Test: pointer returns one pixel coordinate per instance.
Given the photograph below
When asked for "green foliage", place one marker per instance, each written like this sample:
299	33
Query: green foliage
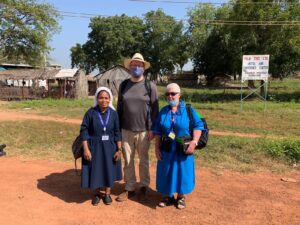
117	37
218	48
284	149
110	41
25	29
165	43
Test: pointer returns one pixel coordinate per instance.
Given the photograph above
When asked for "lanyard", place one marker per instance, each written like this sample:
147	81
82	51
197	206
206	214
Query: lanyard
173	119
106	121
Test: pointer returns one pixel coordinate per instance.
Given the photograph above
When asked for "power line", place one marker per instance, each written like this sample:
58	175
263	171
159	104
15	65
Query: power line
249	24
212	22
212	3
242	22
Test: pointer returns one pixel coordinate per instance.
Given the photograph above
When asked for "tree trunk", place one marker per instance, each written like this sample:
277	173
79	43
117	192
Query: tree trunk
234	76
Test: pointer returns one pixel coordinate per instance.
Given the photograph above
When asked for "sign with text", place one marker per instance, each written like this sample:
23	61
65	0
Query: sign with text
255	67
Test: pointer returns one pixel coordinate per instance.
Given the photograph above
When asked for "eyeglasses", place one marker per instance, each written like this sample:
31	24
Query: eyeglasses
171	93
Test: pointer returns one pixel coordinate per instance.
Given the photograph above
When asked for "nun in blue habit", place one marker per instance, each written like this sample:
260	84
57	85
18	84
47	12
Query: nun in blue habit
101	161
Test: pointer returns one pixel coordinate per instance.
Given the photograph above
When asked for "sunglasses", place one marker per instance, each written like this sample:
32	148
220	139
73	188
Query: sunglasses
171	93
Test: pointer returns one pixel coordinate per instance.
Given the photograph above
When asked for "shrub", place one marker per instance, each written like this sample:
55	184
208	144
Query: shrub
284	149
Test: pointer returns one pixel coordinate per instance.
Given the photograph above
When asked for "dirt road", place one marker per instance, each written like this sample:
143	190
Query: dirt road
44	192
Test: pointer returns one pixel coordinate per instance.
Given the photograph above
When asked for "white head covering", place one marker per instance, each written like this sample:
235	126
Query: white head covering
173	87
110	96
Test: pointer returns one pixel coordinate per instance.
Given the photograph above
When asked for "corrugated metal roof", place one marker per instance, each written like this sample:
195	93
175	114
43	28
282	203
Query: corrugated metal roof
66	73
28	74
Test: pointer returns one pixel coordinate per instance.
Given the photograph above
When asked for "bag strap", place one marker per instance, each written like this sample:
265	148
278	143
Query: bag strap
189	112
76	170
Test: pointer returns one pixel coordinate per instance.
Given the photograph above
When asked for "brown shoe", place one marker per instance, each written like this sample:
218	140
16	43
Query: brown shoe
143	195
125	196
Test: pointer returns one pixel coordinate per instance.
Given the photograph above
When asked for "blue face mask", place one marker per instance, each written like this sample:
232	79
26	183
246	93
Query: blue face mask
173	102
137	71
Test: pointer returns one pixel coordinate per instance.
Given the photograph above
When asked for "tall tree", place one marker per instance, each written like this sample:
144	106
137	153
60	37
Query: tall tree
219	44
25	30
211	54
164	38
281	42
110	41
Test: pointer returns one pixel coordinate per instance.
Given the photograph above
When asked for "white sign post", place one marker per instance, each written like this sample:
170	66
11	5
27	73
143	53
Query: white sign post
255	67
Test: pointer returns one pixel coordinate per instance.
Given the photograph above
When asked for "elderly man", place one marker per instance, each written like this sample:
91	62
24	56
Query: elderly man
137	108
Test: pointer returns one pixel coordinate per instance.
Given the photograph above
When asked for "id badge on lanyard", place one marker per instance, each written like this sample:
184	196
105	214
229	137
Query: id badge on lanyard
173	121
104	137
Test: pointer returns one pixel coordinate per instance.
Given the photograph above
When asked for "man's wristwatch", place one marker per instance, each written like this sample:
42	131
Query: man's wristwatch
195	142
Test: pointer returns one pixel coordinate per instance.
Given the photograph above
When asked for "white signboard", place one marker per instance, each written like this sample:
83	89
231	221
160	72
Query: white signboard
255	67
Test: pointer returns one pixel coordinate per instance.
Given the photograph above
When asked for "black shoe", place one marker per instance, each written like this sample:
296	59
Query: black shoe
107	199
143	194
124	196
96	200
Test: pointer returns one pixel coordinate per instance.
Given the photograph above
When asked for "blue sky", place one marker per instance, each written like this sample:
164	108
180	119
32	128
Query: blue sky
75	29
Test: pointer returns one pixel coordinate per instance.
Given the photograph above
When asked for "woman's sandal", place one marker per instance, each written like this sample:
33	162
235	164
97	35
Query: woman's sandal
181	203
167	201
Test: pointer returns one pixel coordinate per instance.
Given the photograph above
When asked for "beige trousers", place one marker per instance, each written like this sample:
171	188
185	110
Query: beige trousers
132	142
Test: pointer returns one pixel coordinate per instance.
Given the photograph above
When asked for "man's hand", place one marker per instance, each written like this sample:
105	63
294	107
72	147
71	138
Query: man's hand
150	135
158	153
117	155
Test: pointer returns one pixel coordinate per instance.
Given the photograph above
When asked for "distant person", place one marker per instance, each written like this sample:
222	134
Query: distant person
174	148
137	109
100	132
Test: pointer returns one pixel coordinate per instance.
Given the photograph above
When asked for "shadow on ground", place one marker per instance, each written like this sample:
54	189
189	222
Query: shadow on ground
66	186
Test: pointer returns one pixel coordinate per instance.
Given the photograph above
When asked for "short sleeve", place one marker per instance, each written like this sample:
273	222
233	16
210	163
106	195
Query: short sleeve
84	128
197	122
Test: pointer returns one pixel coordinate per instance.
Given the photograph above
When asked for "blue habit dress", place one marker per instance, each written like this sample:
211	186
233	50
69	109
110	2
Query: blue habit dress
102	170
175	172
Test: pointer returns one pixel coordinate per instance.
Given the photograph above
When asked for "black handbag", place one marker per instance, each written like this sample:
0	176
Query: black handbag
182	144
77	150
165	144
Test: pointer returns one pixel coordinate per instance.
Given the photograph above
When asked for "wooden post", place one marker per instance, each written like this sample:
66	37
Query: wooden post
23	88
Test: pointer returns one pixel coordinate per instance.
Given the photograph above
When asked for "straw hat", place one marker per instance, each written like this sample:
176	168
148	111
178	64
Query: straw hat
136	57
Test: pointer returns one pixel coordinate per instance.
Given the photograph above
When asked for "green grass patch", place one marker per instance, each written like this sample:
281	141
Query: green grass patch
285	149
39	140
241	154
72	108
52	140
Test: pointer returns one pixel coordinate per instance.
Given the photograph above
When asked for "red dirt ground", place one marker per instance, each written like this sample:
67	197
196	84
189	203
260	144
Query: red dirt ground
44	192
48	193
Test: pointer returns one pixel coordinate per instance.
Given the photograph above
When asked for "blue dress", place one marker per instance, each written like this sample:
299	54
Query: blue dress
175	172
102	170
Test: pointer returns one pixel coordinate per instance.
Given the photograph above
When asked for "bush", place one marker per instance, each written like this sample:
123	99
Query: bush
284	149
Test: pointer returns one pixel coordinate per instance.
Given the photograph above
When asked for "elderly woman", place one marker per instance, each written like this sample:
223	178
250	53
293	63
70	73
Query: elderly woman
174	148
101	164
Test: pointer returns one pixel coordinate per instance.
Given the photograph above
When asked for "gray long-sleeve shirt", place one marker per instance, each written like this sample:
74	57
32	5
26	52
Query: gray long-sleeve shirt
133	106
